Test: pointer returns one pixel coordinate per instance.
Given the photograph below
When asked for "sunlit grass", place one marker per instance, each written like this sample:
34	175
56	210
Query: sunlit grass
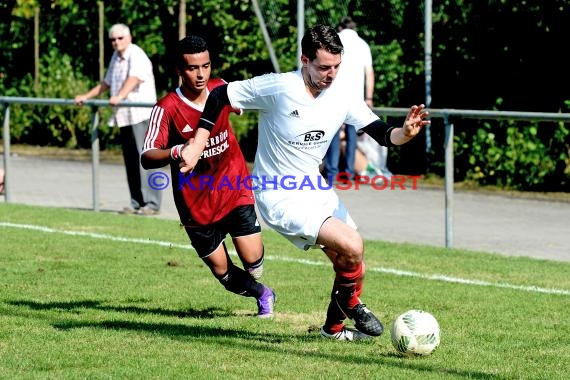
100	295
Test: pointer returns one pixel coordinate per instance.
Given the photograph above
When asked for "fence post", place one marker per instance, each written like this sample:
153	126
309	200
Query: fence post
448	182
95	157
6	138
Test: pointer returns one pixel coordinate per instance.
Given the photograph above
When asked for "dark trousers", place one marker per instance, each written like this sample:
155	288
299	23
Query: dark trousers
142	194
332	161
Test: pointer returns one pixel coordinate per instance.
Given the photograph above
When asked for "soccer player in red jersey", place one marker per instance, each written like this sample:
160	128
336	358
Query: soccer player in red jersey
215	199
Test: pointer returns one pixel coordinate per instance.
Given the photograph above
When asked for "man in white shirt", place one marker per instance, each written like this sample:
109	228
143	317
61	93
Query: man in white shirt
358	74
300	113
130	77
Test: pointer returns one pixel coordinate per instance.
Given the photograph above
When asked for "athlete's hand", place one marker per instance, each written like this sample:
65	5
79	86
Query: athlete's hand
415	120
189	156
193	149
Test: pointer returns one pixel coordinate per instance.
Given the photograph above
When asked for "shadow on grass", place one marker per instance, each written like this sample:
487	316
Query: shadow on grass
173	330
76	306
281	344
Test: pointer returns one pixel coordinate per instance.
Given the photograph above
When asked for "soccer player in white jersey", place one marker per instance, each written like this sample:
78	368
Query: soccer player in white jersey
300	112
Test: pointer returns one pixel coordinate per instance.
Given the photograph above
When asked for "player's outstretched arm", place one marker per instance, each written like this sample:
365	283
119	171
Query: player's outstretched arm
415	121
386	135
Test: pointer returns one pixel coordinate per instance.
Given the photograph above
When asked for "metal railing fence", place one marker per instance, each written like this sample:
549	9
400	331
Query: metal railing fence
445	114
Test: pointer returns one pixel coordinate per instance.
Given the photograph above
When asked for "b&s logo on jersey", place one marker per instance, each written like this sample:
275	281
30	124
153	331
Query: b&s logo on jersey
309	140
312	135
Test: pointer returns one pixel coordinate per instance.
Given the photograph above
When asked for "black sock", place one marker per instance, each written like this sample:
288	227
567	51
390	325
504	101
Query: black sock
238	281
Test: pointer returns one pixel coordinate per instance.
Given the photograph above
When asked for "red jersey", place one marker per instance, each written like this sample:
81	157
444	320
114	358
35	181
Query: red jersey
220	181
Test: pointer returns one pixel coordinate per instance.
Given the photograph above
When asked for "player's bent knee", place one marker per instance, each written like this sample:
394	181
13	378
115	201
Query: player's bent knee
355	249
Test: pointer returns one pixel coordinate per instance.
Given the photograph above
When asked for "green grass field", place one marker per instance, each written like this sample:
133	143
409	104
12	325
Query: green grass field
106	296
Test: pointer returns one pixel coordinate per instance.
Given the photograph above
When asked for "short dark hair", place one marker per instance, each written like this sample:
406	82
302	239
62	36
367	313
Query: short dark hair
346	23
189	45
320	37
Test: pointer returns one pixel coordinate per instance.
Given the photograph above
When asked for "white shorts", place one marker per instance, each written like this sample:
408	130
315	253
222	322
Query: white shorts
299	214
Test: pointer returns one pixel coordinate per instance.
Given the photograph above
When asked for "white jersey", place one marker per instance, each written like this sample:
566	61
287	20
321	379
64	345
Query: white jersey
295	129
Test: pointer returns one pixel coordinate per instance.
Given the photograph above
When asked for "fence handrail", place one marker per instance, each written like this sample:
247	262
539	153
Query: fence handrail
381	111
446	114
480	114
69	102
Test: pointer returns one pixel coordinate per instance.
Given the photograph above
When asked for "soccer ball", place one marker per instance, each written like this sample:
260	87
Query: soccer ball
415	332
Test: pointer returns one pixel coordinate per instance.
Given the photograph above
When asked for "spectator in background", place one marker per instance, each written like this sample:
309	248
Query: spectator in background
130	77
357	74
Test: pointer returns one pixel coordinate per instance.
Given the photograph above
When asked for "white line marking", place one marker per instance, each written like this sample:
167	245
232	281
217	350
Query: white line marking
397	272
95	235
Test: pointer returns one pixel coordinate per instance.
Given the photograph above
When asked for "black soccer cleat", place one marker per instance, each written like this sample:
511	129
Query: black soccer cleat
345	334
363	319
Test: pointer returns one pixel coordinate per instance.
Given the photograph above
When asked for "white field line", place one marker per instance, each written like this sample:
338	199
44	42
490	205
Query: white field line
397	272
